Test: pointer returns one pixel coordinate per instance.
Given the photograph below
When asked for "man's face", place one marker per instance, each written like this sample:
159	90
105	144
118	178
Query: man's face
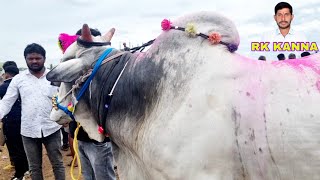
283	18
35	62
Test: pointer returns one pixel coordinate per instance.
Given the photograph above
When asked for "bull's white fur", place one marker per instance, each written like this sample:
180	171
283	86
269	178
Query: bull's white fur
230	118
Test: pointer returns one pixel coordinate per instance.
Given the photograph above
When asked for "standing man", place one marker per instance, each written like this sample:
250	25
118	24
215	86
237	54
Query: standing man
12	126
283	16
36	127
3	92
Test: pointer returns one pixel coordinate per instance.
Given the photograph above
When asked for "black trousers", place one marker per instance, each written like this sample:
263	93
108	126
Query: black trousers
16	150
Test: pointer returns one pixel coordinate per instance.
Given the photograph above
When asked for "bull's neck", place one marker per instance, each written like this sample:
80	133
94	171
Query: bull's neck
134	95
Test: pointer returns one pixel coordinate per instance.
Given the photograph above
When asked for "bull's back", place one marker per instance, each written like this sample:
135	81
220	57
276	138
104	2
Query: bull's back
278	123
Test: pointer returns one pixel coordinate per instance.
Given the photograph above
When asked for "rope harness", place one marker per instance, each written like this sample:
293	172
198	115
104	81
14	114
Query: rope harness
85	78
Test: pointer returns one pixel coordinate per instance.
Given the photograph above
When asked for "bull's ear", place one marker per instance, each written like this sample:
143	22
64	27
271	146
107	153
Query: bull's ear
67	71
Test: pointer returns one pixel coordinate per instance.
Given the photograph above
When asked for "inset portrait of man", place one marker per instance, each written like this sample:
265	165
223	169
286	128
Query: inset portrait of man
283	17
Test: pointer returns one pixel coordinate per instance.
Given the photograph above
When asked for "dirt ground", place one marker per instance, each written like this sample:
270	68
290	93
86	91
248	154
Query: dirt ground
46	166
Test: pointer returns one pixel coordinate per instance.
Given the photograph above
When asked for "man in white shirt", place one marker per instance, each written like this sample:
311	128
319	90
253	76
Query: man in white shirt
36	127
284	33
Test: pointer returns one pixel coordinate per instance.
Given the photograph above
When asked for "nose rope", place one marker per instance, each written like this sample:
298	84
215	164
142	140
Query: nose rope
69	110
77	84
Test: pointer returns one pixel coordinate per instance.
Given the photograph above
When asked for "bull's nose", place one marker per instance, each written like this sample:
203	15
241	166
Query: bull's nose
50	76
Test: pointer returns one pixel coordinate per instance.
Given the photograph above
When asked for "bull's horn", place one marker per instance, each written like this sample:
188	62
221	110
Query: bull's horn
86	33
108	36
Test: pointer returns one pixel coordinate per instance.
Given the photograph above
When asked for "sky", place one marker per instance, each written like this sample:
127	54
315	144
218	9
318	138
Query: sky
136	22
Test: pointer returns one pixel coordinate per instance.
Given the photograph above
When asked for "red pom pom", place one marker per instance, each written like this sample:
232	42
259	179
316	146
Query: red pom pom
100	130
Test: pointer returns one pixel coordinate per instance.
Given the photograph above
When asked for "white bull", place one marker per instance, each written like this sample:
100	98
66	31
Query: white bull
187	109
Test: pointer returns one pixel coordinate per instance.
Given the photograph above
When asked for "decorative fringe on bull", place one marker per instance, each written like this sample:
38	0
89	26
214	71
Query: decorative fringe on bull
190	29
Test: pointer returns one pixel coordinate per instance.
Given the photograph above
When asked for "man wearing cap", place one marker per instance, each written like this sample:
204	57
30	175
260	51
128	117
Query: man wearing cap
12	125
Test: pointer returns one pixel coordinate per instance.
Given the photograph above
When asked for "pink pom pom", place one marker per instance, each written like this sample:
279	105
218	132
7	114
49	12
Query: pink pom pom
66	40
166	25
215	38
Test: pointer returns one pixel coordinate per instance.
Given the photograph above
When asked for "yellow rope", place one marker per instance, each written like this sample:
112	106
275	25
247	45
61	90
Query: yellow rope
76	154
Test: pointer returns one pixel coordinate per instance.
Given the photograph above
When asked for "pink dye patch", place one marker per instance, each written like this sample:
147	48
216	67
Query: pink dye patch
318	85
310	62
300	64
